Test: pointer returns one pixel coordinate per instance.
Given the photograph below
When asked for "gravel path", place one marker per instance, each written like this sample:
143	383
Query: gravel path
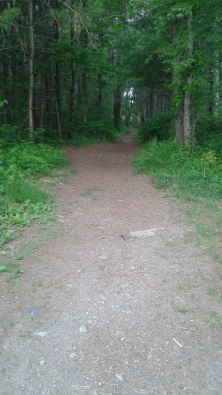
122	302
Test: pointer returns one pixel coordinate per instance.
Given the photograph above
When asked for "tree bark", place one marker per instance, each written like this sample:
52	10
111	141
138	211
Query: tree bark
187	95
73	73
178	119
57	83
99	96
31	69
216	86
178	126
117	96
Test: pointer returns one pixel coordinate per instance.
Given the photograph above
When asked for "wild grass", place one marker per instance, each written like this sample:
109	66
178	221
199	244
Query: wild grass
93	133
12	270
195	178
22	200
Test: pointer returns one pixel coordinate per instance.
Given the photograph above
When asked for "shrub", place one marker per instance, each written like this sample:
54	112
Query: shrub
21	198
208	133
156	127
20	191
198	174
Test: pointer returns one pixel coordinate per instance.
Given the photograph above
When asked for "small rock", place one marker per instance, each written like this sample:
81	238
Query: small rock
140	234
73	355
102	297
103	257
83	328
119	376
40	334
34	311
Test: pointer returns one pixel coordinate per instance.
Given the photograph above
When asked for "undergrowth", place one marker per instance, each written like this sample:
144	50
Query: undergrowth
12	269
22	200
94	133
78	134
159	127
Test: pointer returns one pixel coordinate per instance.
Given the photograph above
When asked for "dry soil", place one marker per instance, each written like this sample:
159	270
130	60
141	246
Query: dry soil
123	301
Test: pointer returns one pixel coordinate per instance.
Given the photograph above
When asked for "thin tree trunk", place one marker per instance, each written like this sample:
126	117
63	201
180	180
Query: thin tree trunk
31	69
58	119
151	102
47	94
117	108
216	86
187	95
82	86
117	96
178	126
57	84
83	94
178	119
73	73
99	96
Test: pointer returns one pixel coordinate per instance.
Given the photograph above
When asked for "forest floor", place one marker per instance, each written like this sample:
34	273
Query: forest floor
117	297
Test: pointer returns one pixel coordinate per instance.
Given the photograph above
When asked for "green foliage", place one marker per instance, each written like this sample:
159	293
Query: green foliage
92	132
183	310
209	133
190	175
3	102
12	269
156	127
7	17
21	198
20	191
8	132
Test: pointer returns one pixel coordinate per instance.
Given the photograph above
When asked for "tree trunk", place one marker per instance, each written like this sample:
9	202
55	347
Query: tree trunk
31	69
99	96
216	86
73	73
178	126
187	95
58	118
57	84
117	95
117	108
82	85
178	119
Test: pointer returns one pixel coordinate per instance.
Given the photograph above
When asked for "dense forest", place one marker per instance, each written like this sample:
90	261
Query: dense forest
77	71
77	66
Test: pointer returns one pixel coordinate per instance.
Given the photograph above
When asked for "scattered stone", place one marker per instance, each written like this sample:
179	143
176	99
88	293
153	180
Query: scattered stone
119	376
103	257
41	334
34	311
86	199
102	297
140	234
83	328
73	355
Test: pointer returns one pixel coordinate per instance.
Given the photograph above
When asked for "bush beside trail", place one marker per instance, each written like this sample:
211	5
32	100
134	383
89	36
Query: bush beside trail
21	198
192	174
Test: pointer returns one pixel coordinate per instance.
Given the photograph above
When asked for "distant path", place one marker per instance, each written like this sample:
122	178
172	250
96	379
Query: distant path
122	302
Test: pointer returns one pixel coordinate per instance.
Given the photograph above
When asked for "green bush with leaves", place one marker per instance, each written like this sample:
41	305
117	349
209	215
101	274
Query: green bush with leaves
208	133
21	198
197	174
91	132
156	127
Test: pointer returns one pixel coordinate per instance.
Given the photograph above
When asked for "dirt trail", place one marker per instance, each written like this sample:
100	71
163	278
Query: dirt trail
122	302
